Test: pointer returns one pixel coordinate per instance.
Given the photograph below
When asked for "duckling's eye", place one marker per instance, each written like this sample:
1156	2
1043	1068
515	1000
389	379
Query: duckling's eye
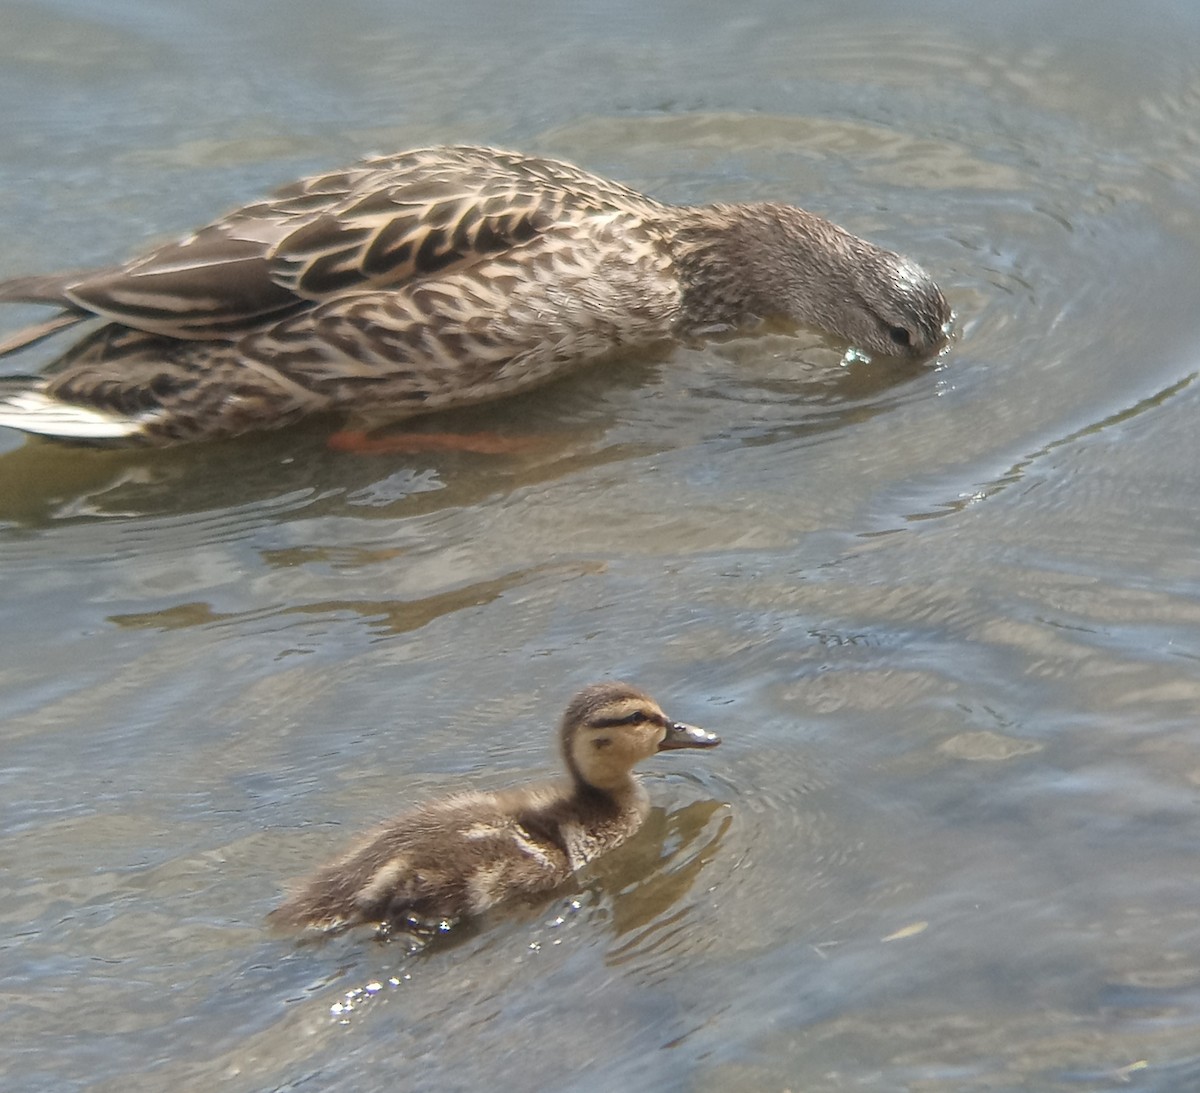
900	336
628	719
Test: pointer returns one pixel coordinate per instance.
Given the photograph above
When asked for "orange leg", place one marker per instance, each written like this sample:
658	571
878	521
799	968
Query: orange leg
362	443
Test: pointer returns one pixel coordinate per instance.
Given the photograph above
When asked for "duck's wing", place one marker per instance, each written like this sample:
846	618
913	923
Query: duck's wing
384	221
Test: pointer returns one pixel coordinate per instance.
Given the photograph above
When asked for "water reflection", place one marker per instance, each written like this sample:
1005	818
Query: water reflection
381	617
793	384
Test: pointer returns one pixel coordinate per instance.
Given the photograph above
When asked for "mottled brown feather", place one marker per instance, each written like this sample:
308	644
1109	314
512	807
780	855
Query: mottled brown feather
441	277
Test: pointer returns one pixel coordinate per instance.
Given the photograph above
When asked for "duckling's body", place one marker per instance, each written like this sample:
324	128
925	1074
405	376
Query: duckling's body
429	279
458	857
462	855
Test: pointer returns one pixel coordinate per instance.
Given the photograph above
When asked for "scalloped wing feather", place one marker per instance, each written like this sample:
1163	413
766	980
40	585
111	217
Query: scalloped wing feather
502	325
384	222
485	331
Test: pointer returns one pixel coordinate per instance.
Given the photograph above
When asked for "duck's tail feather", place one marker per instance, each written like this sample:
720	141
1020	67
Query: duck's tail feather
25	405
51	289
30	335
41	288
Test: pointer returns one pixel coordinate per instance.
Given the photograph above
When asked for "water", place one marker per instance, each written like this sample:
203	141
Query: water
944	617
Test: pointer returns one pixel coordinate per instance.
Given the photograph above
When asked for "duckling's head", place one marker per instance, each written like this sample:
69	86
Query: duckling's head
610	727
786	263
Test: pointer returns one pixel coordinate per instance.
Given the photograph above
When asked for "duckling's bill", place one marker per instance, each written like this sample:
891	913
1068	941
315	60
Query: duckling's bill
680	735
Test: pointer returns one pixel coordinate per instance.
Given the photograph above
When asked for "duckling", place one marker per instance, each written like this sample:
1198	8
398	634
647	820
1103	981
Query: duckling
431	279
457	857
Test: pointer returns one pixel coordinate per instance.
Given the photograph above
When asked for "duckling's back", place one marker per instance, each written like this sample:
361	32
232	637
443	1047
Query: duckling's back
461	856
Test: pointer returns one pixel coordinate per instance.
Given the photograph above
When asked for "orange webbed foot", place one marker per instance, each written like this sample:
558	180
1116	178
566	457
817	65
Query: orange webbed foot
365	443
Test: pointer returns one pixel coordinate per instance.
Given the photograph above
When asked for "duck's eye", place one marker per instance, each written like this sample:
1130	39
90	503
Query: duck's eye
628	719
900	336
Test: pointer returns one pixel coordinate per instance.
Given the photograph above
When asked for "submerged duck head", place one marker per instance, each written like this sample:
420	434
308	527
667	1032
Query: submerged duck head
879	301
777	261
610	727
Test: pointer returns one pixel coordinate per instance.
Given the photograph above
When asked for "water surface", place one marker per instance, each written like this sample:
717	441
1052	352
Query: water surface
945	617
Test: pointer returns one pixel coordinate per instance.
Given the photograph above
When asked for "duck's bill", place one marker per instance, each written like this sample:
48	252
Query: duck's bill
680	735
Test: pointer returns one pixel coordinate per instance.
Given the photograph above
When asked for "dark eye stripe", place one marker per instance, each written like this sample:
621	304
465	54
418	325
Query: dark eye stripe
628	719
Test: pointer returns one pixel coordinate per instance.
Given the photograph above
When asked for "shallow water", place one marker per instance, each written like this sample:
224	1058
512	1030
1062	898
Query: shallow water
945	617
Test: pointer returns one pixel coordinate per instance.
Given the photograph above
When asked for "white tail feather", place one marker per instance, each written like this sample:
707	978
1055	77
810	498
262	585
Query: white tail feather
34	412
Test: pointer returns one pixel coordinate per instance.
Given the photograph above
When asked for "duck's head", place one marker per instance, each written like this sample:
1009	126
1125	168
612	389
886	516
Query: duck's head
877	300
790	264
610	727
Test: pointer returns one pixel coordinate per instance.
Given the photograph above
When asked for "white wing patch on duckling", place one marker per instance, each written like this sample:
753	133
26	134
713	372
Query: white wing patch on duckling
487	886
382	881
524	842
580	847
527	846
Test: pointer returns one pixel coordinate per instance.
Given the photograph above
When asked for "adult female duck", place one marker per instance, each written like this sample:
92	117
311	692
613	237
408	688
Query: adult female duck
429	279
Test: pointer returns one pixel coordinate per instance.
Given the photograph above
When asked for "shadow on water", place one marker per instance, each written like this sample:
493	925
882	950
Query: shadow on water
382	617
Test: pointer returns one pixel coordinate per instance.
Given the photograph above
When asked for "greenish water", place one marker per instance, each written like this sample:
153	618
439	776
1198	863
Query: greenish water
945	618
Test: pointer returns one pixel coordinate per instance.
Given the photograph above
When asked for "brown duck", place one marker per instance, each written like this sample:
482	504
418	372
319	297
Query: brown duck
430	279
461	855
